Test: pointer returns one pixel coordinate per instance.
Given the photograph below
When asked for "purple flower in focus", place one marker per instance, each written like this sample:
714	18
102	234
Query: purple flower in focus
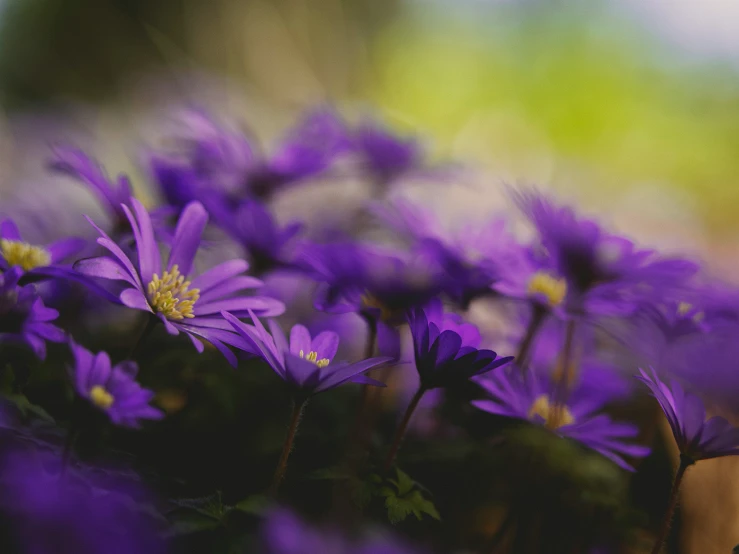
112	389
24	319
604	273
80	166
446	351
305	364
532	400
697	438
181	302
73	515
252	226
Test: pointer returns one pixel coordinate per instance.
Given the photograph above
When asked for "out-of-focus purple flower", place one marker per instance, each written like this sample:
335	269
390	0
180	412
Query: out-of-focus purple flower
378	283
73	515
252	226
604	273
308	150
446	351
532	400
285	533
112	389
305	364
386	157
80	166
38	261
697	438
23	317
182	303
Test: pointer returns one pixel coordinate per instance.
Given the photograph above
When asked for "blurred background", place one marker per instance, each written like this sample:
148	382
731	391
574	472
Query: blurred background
628	107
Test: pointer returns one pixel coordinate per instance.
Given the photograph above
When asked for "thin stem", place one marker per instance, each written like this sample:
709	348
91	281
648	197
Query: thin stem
72	434
563	387
151	322
524	348
402	428
287	447
685	462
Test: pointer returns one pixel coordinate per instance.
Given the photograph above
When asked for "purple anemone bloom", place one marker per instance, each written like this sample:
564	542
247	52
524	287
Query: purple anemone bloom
24	319
182	302
532	400
36	261
305	364
386	156
604	273
252	226
697	438
112	194
446	350
308	150
112	389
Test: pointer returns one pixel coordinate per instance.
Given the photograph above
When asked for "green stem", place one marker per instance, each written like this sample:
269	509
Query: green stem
298	407
145	332
400	432
685	462
537	318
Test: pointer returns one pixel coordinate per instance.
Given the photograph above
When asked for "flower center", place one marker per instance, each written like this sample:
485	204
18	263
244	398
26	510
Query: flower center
371	302
554	416
551	288
101	397
25	255
170	296
313	357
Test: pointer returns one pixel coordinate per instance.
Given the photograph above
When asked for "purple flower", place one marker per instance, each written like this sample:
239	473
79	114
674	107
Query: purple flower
36	261
77	514
182	303
697	438
305	364
446	352
385	156
80	166
23	317
112	389
308	150
377	283
532	400
604	273
252	226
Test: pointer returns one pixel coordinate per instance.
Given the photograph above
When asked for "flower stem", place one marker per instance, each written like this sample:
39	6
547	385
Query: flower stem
685	462
400	432
287	447
151	322
524	348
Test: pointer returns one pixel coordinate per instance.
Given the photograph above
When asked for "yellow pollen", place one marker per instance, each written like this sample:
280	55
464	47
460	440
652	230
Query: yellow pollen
170	296
554	416
313	357
553	289
25	255
101	397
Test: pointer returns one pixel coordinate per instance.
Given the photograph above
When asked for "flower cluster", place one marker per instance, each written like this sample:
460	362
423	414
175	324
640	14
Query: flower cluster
582	316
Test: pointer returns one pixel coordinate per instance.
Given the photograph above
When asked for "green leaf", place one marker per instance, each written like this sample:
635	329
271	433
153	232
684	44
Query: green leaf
405	498
29	410
256	504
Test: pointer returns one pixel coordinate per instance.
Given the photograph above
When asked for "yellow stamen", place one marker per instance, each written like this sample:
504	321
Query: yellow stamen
25	255
101	397
554	416
313	357
553	289
170	296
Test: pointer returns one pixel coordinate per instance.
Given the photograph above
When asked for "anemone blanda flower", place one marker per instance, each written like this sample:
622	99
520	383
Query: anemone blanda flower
532	400
253	227
112	389
379	284
446	349
604	273
78	165
386	157
35	260
182	302
697	438
23	317
83	513
306	364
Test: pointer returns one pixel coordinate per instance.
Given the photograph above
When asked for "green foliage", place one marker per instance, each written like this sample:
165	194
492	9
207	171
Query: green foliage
403	497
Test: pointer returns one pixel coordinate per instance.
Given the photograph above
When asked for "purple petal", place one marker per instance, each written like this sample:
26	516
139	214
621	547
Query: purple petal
299	340
66	247
150	261
105	268
216	275
133	298
187	237
9	230
325	345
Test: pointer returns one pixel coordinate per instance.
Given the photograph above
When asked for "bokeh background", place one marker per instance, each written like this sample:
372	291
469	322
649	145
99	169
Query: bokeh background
628	107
